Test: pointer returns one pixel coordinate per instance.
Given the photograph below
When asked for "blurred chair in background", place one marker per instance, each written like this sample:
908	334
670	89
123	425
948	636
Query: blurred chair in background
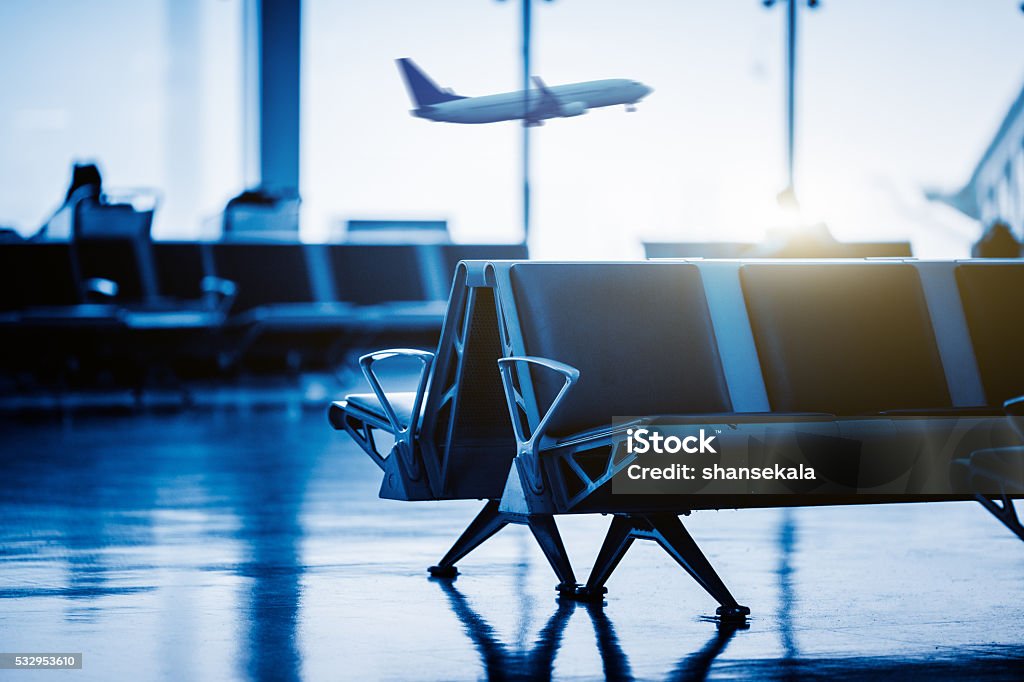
86	183
998	241
396	232
261	212
812	241
111	242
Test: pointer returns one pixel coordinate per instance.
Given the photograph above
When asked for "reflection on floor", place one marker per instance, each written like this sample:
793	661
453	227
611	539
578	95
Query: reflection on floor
249	543
538	661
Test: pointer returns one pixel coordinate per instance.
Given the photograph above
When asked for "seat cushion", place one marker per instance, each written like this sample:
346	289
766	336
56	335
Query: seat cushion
843	338
402	403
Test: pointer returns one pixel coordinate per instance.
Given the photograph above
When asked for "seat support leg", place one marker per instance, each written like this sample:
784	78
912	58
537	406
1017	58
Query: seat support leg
1004	511
671	534
668	531
545	531
488	522
616	543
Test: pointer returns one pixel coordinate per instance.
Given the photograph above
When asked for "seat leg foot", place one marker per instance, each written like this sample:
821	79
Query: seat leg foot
670	533
732	614
488	522
443	571
582	593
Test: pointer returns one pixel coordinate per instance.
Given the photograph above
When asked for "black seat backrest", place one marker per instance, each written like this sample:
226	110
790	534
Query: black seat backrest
453	253
180	268
991	295
844	338
466	428
95	220
36	274
640	334
368	274
264	273
111	241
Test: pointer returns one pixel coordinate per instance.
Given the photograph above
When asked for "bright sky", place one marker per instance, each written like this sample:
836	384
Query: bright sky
893	97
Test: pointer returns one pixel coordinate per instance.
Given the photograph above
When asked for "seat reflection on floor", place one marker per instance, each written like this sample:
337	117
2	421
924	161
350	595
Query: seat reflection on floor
501	662
270	495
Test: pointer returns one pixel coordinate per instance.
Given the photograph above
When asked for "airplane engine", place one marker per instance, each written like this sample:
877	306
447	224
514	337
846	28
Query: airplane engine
574	109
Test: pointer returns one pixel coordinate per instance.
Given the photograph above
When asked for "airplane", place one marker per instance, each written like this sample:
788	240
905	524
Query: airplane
540	103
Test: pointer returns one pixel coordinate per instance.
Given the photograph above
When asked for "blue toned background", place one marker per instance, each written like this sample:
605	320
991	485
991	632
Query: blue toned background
173	502
892	98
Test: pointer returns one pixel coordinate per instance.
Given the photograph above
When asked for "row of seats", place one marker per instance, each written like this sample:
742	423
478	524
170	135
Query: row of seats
563	349
843	339
51	274
122	300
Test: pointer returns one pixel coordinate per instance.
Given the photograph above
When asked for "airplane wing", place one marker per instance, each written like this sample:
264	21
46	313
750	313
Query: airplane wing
548	104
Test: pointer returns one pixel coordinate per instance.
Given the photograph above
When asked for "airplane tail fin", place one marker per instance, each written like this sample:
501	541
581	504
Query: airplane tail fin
422	90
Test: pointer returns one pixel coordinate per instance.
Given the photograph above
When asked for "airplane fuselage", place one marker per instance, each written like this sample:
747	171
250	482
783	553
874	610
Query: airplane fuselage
574	99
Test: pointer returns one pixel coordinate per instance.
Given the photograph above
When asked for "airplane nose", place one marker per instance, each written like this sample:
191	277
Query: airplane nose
645	89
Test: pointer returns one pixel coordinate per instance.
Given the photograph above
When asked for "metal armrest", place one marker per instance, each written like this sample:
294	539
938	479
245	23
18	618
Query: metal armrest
222	290
366	364
515	400
107	288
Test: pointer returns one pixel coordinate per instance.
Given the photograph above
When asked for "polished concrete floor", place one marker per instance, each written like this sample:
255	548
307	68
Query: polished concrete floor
249	543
